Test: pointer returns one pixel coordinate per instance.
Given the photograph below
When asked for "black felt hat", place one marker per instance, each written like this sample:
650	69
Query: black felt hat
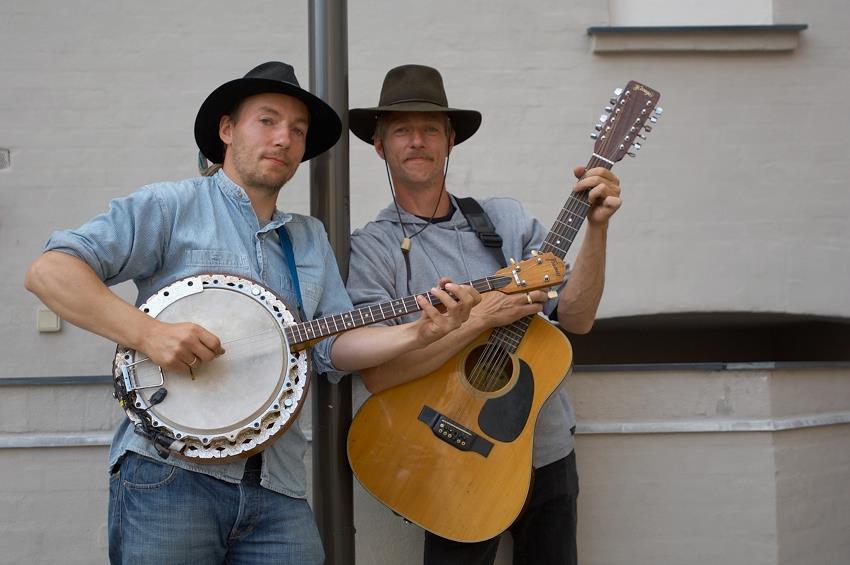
323	132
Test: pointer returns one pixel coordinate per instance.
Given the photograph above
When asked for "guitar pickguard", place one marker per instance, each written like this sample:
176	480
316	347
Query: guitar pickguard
504	417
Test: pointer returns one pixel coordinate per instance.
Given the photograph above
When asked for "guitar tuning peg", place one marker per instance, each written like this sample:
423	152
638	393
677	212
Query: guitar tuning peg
598	127
630	154
659	110
640	135
647	128
653	119
603	118
609	109
618	91
637	146
594	135
552	294
612	101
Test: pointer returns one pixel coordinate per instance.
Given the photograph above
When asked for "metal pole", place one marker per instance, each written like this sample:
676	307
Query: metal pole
333	499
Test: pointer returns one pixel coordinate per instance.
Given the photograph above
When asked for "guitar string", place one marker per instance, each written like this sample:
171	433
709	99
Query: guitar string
578	205
495	356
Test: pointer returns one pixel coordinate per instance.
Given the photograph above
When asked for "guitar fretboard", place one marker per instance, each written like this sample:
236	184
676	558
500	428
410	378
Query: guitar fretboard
336	323
558	242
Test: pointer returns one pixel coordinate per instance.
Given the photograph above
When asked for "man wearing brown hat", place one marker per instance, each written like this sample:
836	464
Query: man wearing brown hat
427	232
183	511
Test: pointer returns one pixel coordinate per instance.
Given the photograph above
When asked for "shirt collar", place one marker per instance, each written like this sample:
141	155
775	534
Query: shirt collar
389	214
238	194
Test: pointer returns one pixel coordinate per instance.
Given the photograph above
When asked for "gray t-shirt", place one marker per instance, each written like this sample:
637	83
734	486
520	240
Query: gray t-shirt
377	273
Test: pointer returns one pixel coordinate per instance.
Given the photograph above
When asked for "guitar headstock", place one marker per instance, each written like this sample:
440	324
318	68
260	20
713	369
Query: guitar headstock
543	270
627	120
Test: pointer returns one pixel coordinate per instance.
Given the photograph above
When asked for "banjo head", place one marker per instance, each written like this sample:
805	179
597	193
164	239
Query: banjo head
234	405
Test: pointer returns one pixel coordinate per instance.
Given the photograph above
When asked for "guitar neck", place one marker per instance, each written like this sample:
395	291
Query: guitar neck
633	107
558	242
306	333
572	215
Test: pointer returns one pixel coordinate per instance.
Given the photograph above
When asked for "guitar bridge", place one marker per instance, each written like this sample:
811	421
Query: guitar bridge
453	433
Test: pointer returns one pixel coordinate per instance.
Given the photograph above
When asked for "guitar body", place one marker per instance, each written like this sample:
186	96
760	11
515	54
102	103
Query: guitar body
456	457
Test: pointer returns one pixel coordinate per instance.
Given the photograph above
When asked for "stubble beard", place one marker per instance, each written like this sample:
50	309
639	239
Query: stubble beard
255	178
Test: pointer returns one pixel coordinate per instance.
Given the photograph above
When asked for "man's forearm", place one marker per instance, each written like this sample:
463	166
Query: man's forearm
580	299
415	363
69	287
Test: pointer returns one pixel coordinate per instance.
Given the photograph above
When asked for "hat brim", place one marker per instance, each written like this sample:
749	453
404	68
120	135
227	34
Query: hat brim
362	121
322	134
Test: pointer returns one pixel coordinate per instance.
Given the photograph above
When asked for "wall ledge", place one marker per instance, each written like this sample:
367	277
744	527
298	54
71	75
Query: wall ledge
713	38
713	426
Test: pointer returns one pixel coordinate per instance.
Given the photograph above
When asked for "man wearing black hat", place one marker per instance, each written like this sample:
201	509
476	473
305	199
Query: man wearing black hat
259	128
425	233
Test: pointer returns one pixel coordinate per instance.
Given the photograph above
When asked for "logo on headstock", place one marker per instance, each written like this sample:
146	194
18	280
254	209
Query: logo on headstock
642	88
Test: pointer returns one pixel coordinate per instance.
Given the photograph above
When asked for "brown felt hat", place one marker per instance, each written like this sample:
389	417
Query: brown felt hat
413	88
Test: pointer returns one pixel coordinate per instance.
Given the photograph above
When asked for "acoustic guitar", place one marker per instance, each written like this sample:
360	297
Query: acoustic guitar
452	451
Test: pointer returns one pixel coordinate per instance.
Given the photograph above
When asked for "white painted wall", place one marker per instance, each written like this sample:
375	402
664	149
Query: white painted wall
690	12
738	200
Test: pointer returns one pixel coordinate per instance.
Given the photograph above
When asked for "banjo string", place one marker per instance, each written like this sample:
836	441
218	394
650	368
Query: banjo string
268	334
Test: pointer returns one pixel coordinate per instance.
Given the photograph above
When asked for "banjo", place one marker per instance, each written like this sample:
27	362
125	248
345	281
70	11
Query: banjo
235	405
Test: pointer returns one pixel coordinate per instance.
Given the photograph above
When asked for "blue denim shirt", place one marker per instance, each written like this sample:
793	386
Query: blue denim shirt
168	231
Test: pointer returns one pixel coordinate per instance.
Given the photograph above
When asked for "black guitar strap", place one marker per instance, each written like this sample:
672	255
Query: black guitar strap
486	231
480	223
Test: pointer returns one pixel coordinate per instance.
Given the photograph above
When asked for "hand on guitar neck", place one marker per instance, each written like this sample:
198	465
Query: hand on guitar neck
512	300
603	194
498	309
367	347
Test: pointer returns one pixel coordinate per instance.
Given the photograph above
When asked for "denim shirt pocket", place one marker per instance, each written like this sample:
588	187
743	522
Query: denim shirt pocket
310	294
216	260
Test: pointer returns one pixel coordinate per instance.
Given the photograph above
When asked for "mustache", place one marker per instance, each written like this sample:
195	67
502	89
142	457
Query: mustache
418	155
278	157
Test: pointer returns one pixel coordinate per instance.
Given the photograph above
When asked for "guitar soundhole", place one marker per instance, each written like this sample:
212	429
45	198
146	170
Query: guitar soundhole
488	368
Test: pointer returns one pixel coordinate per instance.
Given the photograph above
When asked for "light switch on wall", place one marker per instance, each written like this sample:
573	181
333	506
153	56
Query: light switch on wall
47	320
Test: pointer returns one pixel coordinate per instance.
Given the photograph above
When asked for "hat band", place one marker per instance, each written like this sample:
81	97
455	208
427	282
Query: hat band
408	100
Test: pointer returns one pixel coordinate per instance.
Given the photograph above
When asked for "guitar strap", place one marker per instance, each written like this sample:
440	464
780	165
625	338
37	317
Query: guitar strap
486	231
483	227
289	254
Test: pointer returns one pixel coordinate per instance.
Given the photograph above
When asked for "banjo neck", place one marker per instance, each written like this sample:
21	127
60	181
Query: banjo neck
541	271
306	334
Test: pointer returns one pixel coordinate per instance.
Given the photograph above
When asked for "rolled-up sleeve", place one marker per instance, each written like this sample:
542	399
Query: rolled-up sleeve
333	300
125	242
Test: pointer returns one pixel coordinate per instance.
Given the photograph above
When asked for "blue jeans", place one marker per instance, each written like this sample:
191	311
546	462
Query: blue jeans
163	514
544	534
